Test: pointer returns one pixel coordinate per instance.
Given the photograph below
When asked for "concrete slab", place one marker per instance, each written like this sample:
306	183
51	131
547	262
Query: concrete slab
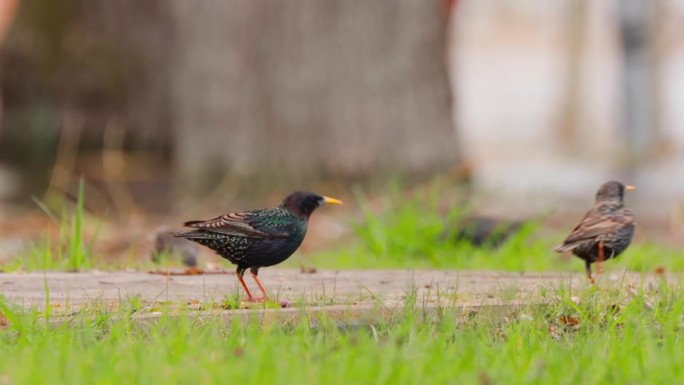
323	288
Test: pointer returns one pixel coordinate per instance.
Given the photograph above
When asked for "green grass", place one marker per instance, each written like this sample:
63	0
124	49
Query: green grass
590	337
78	256
69	251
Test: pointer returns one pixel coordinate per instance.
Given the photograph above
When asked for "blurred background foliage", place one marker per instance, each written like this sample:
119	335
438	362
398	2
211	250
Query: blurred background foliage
175	108
170	95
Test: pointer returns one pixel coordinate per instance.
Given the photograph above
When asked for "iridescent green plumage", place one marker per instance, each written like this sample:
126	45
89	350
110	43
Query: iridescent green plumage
258	238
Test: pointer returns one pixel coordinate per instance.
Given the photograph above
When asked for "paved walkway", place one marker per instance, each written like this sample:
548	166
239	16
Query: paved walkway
321	288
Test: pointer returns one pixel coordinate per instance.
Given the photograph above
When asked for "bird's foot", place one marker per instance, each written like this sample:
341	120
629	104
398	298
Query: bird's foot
590	277
255	299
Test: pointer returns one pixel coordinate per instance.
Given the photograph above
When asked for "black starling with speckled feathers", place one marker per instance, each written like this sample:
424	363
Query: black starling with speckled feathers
258	238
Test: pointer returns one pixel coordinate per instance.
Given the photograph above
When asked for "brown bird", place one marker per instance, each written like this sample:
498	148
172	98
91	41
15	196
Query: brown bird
258	238
605	231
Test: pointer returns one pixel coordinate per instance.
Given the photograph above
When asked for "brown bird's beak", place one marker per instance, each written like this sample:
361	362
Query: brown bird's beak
629	187
332	201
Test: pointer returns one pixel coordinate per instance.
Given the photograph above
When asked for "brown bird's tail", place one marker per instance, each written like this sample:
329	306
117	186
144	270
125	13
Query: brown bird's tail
564	247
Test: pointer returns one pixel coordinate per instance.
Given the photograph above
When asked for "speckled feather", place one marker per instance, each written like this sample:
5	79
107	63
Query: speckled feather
609	223
257	238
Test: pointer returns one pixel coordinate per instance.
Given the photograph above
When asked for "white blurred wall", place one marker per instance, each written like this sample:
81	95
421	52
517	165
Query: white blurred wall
510	69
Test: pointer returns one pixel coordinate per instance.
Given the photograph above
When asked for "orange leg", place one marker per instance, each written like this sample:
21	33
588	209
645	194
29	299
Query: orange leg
587	266
261	287
601	258
250	297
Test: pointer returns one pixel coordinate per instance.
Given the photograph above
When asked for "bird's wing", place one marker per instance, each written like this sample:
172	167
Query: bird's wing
242	224
595	224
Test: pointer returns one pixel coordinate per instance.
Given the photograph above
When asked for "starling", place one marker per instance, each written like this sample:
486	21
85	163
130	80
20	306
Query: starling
258	238
485	231
605	231
166	244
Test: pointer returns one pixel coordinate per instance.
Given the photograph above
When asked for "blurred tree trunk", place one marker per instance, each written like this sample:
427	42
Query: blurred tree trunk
639	78
297	89
100	63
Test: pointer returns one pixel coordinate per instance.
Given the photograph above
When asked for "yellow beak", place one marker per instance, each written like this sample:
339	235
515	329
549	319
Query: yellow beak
629	187
332	201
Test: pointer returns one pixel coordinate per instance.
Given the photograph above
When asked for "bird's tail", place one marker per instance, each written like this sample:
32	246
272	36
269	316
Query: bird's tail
195	234
564	247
